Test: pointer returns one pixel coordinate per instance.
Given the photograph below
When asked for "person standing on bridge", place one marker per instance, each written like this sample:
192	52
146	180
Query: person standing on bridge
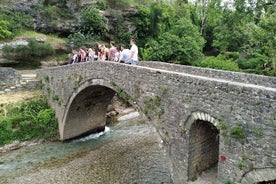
133	53
82	54
112	51
125	55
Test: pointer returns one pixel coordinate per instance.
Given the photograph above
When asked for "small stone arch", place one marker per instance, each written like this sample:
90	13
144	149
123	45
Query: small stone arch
203	143
260	176
201	116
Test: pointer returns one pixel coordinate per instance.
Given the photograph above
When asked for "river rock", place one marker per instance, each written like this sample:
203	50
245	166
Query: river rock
112	113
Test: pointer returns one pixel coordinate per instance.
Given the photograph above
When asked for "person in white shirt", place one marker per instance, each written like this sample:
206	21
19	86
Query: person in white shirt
133	53
125	55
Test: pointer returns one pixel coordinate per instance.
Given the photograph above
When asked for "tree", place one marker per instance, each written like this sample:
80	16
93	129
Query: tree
206	14
230	33
262	37
182	44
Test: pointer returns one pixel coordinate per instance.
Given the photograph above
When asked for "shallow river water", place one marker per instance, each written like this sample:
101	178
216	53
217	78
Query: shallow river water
127	152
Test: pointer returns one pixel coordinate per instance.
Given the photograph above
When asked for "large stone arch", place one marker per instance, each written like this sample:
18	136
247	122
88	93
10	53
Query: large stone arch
260	176
203	143
86	109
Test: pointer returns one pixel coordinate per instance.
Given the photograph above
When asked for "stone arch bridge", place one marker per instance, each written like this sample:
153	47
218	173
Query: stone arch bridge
205	117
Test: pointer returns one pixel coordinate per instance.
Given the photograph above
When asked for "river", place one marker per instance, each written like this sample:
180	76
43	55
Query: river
127	152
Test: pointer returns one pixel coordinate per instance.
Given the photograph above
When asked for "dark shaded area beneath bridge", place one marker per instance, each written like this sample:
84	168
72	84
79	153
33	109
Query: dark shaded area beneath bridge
87	112
203	148
267	182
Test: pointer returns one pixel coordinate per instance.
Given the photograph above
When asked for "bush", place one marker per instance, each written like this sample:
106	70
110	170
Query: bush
182	44
256	62
218	63
118	3
32	52
237	132
119	31
4	32
81	39
101	5
17	20
231	55
92	22
27	120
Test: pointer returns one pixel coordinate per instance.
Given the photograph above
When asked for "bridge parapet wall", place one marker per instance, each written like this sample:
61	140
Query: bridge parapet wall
173	101
213	73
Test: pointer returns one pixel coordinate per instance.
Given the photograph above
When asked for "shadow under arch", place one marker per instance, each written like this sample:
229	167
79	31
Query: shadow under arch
203	144
260	176
86	109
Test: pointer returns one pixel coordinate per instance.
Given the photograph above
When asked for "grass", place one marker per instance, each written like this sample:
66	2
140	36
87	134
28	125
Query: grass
59	45
51	39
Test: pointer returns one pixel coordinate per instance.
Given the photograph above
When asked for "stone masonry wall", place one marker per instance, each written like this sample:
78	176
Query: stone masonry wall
219	74
8	77
243	113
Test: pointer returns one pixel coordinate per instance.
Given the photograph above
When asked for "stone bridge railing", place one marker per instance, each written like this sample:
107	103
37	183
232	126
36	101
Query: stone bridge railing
212	73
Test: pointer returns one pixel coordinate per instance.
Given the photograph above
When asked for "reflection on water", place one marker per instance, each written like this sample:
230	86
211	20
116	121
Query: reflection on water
128	152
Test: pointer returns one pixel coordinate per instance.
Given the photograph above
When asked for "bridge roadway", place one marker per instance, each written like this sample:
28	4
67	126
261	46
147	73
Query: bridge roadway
205	117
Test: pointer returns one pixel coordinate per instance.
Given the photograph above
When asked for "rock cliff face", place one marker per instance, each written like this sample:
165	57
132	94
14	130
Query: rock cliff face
60	16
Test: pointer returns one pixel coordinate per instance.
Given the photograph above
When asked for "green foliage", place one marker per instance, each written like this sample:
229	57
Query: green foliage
255	62
27	120
228	181
231	55
100	4
182	44
237	132
52	12
164	89
219	63
258	132
122	94
92	22
30	53
14	22
80	38
222	125
240	165
244	157
55	98
143	25
168	31
119	31
118	3
160	112
157	100
4	32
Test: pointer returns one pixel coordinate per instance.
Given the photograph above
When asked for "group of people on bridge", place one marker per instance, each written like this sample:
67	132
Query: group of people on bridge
102	53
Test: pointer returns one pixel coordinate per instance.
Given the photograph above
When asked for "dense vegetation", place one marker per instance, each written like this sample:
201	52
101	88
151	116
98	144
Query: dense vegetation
27	120
239	36
30	53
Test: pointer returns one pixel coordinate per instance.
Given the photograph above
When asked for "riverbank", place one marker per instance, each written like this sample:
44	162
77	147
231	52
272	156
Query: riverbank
117	111
20	96
130	152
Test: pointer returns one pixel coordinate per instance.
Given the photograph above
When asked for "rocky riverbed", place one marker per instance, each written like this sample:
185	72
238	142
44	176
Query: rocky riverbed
131	152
